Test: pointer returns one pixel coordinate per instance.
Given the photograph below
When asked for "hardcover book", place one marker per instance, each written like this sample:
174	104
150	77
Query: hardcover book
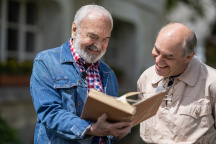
121	108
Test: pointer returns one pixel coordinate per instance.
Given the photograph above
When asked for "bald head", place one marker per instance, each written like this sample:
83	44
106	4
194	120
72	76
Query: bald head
173	50
181	35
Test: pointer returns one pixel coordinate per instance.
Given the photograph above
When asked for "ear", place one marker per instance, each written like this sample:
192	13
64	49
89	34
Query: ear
74	30
189	57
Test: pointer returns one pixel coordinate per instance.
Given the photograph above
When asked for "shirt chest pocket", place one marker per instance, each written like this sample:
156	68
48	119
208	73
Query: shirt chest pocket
196	115
71	94
64	82
196	110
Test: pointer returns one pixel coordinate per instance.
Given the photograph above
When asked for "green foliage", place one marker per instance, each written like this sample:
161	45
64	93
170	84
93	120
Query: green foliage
8	135
170	4
15	68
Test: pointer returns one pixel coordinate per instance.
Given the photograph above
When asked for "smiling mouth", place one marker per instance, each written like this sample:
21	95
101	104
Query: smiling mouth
93	49
161	66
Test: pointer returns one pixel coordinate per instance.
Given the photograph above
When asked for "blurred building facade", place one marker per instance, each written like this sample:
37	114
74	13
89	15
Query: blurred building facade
200	22
30	26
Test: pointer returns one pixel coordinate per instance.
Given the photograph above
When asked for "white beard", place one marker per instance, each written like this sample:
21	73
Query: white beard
83	52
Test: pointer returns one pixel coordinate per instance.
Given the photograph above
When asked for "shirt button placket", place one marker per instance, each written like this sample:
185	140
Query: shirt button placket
197	112
79	82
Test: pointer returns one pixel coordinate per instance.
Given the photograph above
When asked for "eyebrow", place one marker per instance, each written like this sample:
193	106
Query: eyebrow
92	34
95	35
167	55
156	48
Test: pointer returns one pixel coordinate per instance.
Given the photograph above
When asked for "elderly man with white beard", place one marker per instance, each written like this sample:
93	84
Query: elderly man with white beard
62	77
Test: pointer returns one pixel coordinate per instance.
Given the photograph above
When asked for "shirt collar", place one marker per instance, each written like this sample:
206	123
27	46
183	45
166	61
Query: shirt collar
190	76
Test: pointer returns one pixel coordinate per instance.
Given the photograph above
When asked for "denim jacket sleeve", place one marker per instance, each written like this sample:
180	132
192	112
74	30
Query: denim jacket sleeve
48	104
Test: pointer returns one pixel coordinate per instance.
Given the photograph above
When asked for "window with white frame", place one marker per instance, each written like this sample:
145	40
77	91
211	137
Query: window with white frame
18	29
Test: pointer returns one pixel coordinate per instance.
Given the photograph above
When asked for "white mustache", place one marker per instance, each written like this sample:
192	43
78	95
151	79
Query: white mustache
92	47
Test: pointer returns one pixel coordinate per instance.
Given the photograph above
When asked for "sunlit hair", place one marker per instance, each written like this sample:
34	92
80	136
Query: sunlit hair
84	10
189	43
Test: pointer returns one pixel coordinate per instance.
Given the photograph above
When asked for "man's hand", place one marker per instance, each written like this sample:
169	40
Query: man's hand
104	128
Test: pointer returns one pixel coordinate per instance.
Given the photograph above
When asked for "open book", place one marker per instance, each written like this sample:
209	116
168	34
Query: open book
119	109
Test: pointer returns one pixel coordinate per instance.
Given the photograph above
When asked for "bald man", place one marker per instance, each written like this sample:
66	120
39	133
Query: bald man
187	113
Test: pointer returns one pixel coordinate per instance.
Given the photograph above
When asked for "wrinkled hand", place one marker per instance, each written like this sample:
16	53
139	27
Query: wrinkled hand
104	128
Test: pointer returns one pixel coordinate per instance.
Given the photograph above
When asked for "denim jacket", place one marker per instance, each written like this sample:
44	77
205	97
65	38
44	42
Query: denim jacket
59	93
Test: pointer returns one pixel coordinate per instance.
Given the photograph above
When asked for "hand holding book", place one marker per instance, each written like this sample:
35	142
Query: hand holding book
102	127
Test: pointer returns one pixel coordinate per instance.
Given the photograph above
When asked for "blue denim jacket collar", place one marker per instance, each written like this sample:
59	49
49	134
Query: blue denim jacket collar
66	55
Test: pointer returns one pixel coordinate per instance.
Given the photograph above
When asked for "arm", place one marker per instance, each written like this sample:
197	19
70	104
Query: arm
49	107
213	100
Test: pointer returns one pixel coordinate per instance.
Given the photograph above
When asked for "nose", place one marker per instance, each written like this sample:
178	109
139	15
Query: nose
158	59
98	44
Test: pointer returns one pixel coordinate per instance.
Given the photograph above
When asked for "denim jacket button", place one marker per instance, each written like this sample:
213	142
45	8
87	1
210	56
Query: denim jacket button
80	82
67	91
79	103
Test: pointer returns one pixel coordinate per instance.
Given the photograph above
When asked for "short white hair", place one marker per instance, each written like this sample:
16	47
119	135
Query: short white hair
84	10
